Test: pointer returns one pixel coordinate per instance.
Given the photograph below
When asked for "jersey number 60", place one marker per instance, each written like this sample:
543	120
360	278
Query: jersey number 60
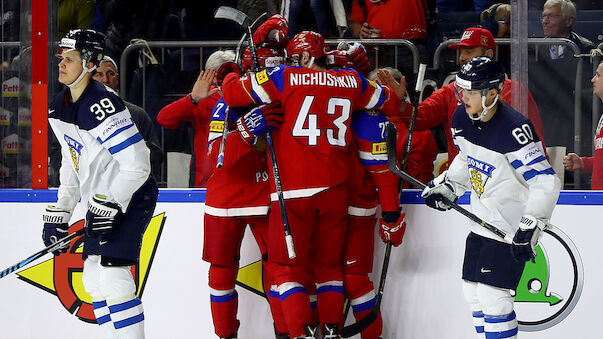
523	134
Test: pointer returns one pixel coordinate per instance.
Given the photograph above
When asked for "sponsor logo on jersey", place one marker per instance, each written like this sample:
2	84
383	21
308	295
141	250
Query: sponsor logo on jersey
75	149
479	172
543	300
372	83
379	148
261	77
62	275
216	126
113	124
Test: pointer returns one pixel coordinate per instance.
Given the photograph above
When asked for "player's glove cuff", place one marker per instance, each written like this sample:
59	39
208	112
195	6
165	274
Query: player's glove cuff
392	231
439	193
526	238
102	216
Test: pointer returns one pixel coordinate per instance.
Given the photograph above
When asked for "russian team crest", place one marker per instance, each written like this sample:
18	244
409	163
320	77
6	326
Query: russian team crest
479	173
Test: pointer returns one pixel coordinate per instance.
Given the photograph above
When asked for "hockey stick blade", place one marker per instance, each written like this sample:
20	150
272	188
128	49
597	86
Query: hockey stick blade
232	14
361	325
390	139
41	253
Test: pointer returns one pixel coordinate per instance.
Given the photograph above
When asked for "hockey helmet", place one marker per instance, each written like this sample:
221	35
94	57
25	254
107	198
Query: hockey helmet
308	41
480	73
267	57
90	43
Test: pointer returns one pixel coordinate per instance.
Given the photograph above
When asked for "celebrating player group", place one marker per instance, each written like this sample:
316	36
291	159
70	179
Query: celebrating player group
298	140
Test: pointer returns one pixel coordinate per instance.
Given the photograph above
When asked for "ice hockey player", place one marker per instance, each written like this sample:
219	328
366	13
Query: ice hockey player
370	183
317	106
238	194
513	187
105	162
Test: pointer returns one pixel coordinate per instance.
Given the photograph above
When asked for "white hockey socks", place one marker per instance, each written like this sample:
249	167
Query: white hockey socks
103	319
127	317
501	326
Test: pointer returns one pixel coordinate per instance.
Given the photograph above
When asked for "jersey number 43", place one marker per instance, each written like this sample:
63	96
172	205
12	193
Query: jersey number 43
336	135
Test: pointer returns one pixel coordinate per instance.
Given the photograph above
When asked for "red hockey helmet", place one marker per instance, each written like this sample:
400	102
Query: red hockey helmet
267	57
308	41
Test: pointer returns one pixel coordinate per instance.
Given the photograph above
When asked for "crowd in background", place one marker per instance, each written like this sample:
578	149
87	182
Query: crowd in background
425	23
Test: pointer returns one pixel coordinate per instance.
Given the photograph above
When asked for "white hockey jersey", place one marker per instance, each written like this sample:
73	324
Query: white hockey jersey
102	150
503	163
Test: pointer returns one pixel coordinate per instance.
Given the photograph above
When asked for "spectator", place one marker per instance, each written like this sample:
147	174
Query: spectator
196	110
558	17
392	19
454	6
107	73
497	19
441	105
295	14
75	14
594	164
255	8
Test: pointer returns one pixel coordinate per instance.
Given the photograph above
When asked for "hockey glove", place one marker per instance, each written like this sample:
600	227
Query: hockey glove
259	120
273	31
357	54
56	227
392	227
438	193
102	216
227	68
526	238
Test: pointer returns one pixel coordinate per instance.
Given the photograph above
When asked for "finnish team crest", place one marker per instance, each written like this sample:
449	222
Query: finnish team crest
75	149
479	173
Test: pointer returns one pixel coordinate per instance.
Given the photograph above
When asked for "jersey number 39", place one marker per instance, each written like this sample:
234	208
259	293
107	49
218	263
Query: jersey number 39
102	108
335	137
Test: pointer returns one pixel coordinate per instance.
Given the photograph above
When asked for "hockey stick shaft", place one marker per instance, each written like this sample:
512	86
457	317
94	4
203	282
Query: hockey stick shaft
41	253
220	161
393	166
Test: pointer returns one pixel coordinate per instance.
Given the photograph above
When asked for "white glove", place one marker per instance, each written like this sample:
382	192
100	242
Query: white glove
438	193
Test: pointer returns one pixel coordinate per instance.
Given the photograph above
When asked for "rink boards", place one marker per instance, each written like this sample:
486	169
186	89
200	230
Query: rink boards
560	294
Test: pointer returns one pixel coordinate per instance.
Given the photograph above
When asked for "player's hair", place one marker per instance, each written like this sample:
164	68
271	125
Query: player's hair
393	71
568	9
217	58
321	61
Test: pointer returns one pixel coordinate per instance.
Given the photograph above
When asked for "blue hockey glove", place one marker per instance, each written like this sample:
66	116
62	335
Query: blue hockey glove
259	120
56	227
526	238
102	216
438	192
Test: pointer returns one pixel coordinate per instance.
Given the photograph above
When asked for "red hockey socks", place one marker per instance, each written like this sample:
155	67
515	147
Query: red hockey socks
223	300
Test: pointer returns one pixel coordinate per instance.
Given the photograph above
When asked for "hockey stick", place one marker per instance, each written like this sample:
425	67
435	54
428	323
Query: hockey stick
39	254
390	136
229	13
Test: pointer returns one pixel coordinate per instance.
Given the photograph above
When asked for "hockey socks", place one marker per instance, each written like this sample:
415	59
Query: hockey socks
103	319
330	302
223	300
128	317
478	321
296	307
500	326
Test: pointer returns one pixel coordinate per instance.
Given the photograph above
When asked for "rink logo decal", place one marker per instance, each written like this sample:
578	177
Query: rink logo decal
62	275
550	287
479	172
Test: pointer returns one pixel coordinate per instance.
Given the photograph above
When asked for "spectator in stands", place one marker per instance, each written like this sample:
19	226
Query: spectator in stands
558	18
392	19
441	105
497	19
594	164
196	108
108	74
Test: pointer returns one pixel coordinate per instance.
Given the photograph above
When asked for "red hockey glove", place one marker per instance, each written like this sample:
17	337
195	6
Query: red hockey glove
273	31
227	68
259	120
357	53
390	229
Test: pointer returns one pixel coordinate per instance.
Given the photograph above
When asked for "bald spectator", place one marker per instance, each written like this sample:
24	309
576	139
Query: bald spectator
107	73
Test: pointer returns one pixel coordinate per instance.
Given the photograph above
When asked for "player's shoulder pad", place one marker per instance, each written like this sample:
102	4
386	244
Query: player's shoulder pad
275	74
99	103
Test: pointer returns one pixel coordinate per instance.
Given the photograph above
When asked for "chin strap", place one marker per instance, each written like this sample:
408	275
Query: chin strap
311	62
84	71
486	109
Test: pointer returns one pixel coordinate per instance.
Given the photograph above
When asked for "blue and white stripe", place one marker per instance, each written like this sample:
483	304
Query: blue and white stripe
478	321
529	161
289	288
101	312
127	314
117	132
222	296
329	286
500	326
364	303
